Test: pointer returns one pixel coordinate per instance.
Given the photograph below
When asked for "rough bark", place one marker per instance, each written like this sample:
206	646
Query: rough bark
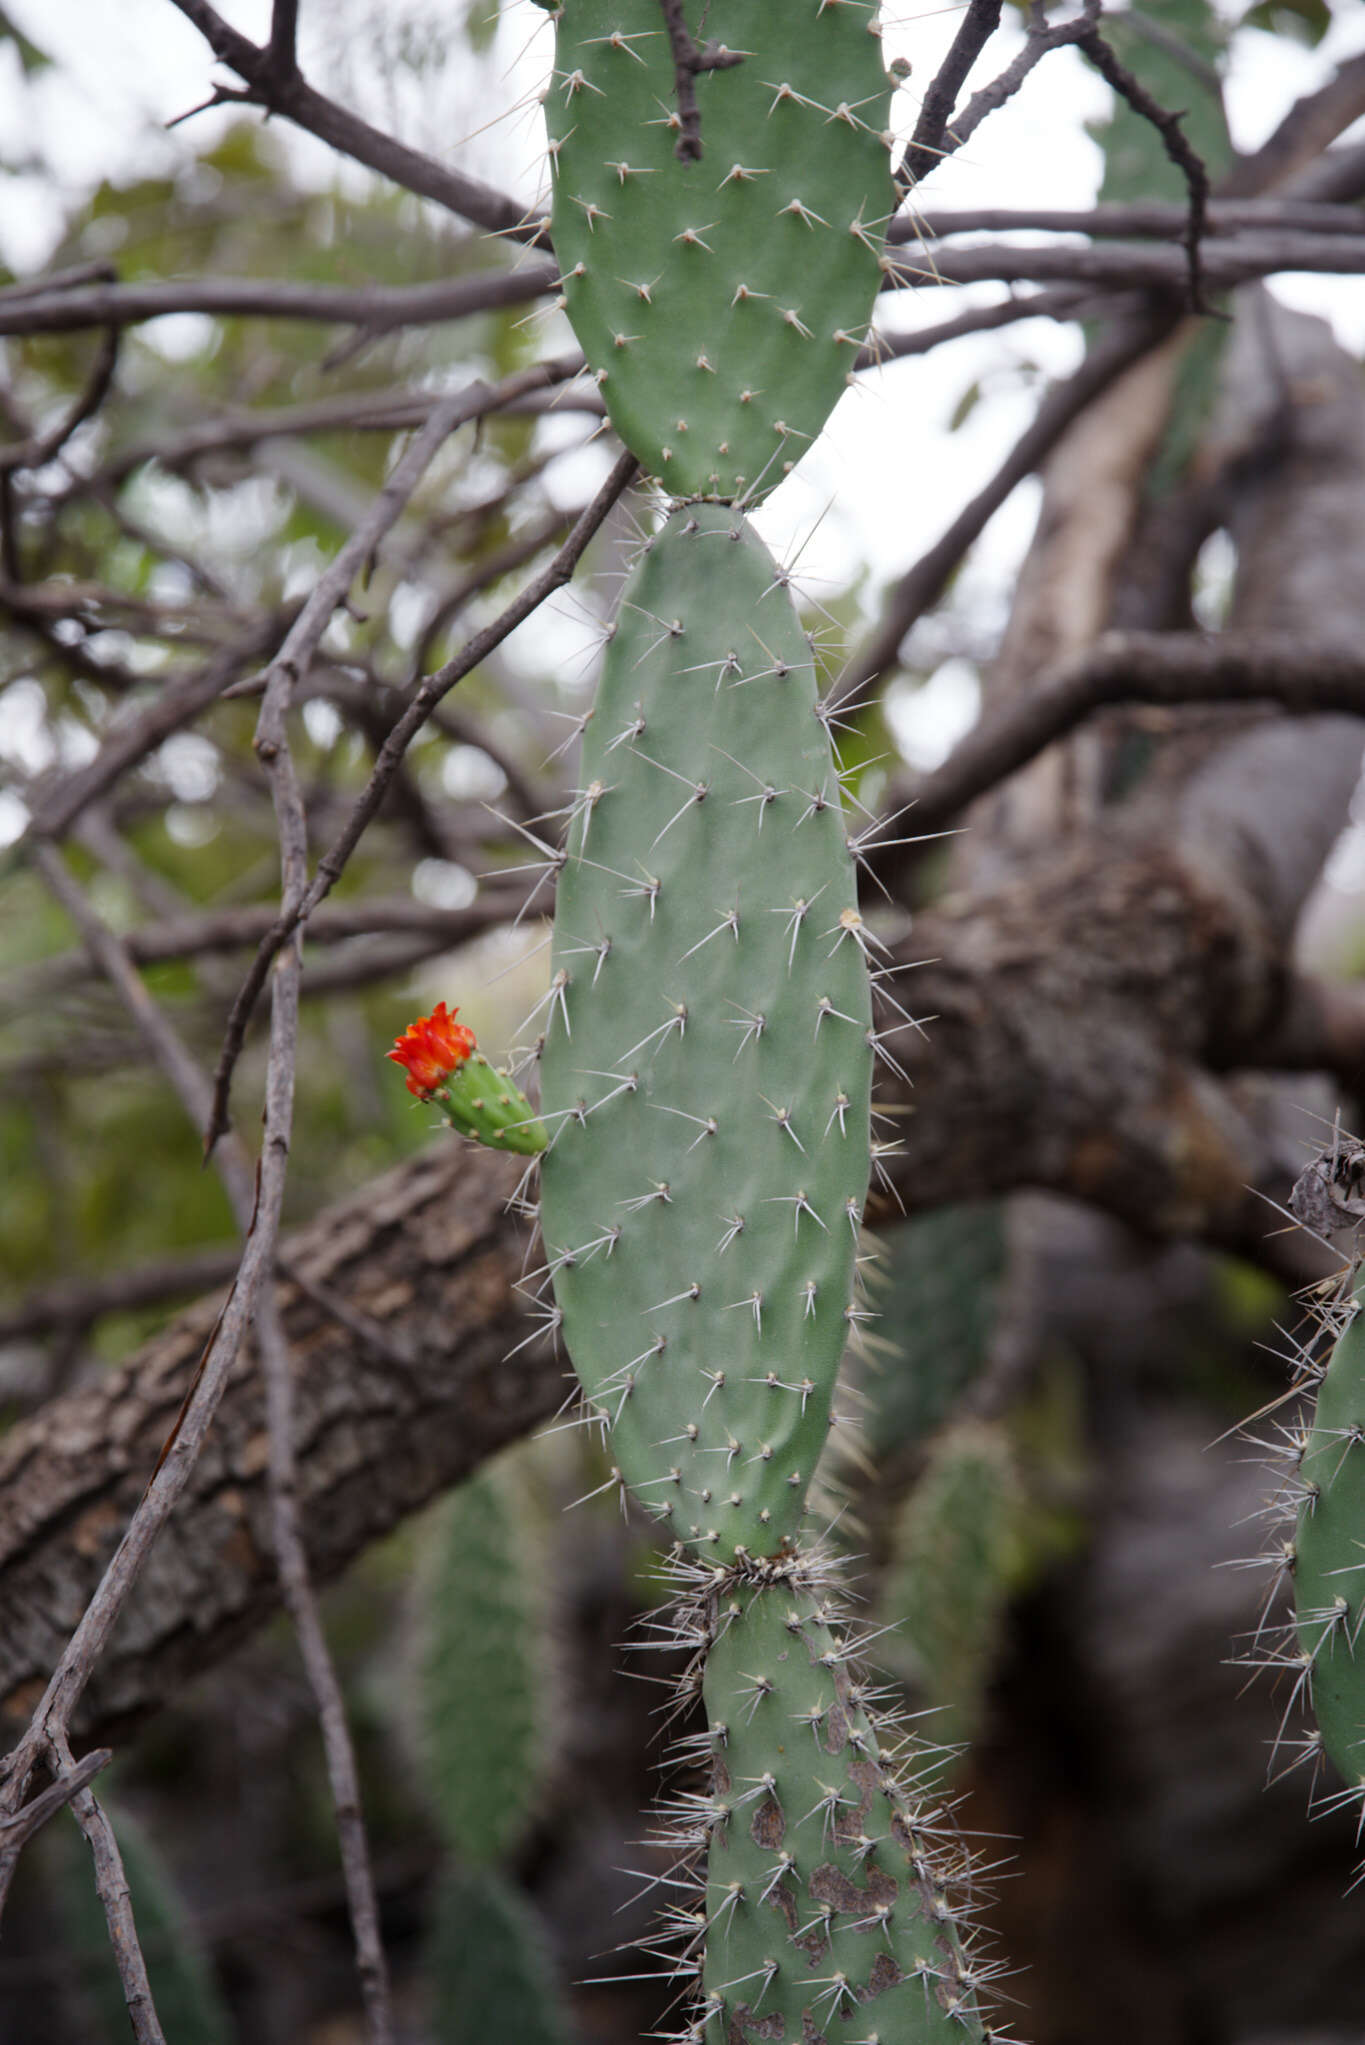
1124	1112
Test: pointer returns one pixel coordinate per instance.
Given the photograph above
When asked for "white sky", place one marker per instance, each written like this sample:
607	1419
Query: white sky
886	476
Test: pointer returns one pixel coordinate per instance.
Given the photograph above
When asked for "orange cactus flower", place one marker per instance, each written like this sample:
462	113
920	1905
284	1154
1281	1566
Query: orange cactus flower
430	1049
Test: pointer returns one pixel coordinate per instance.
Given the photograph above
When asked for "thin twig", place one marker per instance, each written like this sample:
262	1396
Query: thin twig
424	700
1174	141
925	582
41	447
925	147
300	1602
111	1884
288	94
690	59
1062	303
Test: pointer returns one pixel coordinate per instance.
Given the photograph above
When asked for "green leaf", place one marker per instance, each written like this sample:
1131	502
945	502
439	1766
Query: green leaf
965	406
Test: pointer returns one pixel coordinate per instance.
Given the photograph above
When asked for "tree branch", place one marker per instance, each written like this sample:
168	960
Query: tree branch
1177	669
925	147
424	701
1173	140
283	91
376	307
925	582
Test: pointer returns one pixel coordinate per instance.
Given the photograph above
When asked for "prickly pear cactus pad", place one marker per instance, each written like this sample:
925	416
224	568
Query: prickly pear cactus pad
1329	1559
721	301
706	1069
826	1883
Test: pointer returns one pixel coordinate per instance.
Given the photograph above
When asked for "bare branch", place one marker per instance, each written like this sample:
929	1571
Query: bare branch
1154	218
41	447
1064	303
1173	140
1119	267
424	701
1177	669
285	92
1306	130
690	59
72	1305
376	307
926	147
925	582
112	1885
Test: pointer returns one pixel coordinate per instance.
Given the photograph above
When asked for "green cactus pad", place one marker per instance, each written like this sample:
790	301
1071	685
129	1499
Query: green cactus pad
707	1064
721	302
827	1888
1329	1552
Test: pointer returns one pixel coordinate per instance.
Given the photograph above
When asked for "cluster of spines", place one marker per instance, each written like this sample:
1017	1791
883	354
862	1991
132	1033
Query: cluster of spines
814	1890
1313	1551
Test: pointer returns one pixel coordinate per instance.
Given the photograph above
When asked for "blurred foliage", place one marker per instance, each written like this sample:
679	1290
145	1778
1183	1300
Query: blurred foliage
480	1680
491	1976
934	1288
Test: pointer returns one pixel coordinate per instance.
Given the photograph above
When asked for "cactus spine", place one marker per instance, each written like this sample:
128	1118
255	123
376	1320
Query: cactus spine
707	1038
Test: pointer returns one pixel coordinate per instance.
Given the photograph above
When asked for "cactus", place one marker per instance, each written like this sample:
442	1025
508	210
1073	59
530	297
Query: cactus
1327	1561
491	1975
707	1056
706	1040
830	1892
480	1678
955	1558
721	298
